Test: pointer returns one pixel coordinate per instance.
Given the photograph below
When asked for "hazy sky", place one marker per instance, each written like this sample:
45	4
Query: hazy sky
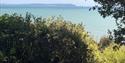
76	2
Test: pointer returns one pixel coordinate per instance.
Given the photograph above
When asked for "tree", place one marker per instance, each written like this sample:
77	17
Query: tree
116	9
48	40
104	42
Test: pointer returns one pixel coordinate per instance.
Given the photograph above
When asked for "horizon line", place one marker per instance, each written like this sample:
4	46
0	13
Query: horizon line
42	3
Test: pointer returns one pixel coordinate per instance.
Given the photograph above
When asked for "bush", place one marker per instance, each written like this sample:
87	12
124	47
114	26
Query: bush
51	40
44	40
104	42
114	54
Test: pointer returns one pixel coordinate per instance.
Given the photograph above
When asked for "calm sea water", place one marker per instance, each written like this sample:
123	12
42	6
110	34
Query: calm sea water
94	23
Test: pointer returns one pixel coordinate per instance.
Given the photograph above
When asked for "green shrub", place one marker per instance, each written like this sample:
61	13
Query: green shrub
51	40
114	54
44	40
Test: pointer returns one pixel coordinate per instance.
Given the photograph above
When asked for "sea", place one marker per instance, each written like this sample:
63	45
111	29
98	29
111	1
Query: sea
94	23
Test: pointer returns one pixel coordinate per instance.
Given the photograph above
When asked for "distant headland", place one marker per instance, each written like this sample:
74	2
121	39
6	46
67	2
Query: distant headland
40	5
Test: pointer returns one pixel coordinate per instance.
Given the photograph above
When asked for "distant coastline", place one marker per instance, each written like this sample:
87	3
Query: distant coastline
40	5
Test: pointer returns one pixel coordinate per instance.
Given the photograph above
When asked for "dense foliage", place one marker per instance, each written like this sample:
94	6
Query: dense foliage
113	54
41	40
116	9
51	40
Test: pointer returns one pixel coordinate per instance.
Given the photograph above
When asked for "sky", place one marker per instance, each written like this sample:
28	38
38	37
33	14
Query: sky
75	2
